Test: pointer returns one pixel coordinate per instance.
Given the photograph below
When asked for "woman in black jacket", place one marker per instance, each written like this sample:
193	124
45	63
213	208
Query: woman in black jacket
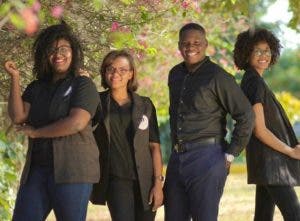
55	112
273	152
128	139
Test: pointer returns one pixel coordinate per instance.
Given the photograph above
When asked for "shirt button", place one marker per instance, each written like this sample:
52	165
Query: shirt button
179	128
181	101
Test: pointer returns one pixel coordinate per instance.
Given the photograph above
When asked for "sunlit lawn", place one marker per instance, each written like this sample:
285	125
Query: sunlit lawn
237	203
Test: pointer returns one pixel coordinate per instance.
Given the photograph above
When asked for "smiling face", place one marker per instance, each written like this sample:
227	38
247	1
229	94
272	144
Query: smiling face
260	57
60	57
192	46
118	73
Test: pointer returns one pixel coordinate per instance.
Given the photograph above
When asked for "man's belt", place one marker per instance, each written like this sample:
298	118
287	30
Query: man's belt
184	147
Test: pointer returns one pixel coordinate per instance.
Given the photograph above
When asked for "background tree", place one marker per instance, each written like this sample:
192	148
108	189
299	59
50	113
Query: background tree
149	29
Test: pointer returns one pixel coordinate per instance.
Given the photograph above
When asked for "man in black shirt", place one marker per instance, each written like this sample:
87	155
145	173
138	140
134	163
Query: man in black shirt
201	95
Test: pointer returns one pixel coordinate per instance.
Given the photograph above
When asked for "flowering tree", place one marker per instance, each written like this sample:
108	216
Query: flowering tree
147	27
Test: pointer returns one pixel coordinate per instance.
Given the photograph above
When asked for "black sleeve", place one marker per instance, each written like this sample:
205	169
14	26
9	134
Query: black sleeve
255	91
85	95
29	92
237	105
153	125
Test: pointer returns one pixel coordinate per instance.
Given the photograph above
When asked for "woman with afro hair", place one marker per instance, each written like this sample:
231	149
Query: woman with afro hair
273	151
55	112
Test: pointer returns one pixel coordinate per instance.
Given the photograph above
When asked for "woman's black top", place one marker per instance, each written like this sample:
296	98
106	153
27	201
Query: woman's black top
264	164
42	152
121	162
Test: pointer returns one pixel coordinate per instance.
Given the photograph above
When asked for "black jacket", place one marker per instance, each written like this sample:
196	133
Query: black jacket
265	165
75	156
143	159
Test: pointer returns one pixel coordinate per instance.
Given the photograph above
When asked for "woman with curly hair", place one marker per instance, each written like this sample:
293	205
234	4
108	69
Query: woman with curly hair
55	112
273	152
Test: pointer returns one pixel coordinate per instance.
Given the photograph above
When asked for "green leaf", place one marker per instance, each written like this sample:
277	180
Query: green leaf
151	51
4	8
102	39
127	2
31	2
144	16
122	40
17	20
98	4
174	11
10	176
4	203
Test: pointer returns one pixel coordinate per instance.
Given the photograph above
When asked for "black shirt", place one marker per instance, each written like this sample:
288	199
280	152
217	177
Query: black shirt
121	152
122	163
40	101
264	164
200	101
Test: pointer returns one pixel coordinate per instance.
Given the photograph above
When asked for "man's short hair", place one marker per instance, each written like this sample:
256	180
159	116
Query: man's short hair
191	26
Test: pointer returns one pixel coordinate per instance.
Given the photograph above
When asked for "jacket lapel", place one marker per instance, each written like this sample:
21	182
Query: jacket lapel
286	121
137	111
105	100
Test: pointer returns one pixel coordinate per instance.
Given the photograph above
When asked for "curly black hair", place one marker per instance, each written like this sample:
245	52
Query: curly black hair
42	68
109	59
246	41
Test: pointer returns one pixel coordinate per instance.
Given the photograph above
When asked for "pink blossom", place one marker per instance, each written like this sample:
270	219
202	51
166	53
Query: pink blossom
223	62
178	53
36	6
57	11
139	55
185	4
211	50
114	26
143	43
146	82
30	19
198	10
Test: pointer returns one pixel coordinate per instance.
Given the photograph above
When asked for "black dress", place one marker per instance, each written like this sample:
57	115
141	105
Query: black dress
265	165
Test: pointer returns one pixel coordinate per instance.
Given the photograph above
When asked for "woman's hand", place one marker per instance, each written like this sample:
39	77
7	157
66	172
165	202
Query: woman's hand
83	72
27	130
11	68
295	152
156	195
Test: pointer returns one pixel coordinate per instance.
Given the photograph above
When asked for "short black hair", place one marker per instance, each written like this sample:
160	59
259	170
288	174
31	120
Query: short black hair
42	69
108	60
246	41
191	26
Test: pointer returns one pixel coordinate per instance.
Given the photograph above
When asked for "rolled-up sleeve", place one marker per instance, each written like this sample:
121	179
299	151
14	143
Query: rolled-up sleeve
85	95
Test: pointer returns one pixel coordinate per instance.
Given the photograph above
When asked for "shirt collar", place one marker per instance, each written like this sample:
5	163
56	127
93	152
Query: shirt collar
252	71
206	58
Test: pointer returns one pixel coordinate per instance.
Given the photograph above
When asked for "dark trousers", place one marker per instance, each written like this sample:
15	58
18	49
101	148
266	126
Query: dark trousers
125	202
283	196
40	194
194	184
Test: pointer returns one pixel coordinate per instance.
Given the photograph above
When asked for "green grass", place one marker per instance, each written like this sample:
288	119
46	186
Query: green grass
237	203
